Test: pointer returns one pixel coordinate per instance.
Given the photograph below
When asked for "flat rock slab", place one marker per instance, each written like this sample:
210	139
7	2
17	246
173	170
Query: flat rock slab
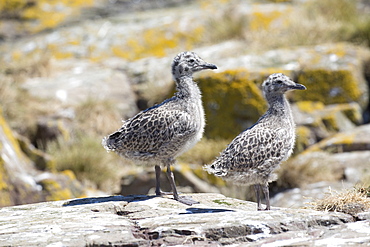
153	221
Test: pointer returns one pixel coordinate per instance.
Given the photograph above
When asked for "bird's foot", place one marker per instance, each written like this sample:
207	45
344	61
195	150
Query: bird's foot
263	209
186	200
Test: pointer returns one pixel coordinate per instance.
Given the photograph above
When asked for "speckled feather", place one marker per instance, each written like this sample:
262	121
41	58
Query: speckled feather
255	153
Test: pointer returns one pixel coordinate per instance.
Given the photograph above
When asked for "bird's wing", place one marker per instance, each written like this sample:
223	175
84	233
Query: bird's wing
151	130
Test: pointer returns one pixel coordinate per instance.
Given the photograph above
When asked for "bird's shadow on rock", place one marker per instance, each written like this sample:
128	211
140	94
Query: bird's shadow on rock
206	210
92	200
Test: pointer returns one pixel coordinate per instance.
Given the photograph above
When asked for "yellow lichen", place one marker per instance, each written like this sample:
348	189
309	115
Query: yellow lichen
157	42
263	20
232	102
328	86
70	174
310	106
43	14
55	191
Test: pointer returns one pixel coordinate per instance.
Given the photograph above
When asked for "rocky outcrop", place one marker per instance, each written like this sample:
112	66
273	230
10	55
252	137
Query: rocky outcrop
155	221
342	158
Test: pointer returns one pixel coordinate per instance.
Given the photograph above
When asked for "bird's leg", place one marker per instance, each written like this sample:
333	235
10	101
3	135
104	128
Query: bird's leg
182	199
158	191
258	196
265	189
157	180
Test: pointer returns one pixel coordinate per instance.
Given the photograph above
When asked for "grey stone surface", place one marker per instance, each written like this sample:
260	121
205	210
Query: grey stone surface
154	221
75	81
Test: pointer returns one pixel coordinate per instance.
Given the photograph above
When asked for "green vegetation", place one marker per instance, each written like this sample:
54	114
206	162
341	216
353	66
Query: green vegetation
222	202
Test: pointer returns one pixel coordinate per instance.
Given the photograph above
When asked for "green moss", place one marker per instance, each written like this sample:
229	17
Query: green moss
328	86
232	102
222	202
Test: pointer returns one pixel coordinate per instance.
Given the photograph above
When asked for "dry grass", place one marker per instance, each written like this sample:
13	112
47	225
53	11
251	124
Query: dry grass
350	201
97	117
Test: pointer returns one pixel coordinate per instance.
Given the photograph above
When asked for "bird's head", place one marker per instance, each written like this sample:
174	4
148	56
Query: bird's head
279	83
186	63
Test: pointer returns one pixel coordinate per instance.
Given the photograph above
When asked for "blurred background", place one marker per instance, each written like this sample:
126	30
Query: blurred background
70	71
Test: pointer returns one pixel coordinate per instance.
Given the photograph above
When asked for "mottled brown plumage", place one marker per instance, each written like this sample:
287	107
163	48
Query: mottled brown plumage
158	134
254	154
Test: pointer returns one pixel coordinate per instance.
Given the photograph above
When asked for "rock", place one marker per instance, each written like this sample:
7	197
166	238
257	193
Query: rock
50	129
344	156
316	166
357	139
21	182
76	81
316	121
304	195
41	159
150	220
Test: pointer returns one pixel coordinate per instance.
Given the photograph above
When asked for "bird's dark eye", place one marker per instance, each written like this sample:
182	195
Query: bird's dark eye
191	61
279	81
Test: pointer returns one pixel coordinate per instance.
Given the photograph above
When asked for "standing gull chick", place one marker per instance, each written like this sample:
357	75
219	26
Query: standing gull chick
254	154
158	134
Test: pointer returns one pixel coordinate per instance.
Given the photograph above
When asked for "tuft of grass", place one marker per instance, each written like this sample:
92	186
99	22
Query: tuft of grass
88	160
350	201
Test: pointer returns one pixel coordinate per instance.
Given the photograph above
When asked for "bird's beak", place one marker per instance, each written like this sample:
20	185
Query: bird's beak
208	66
298	87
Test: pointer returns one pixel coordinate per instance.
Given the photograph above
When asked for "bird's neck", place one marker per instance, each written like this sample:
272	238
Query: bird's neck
187	88
279	105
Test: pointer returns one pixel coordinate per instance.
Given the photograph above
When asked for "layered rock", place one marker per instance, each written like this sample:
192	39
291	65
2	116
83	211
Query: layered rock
149	220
